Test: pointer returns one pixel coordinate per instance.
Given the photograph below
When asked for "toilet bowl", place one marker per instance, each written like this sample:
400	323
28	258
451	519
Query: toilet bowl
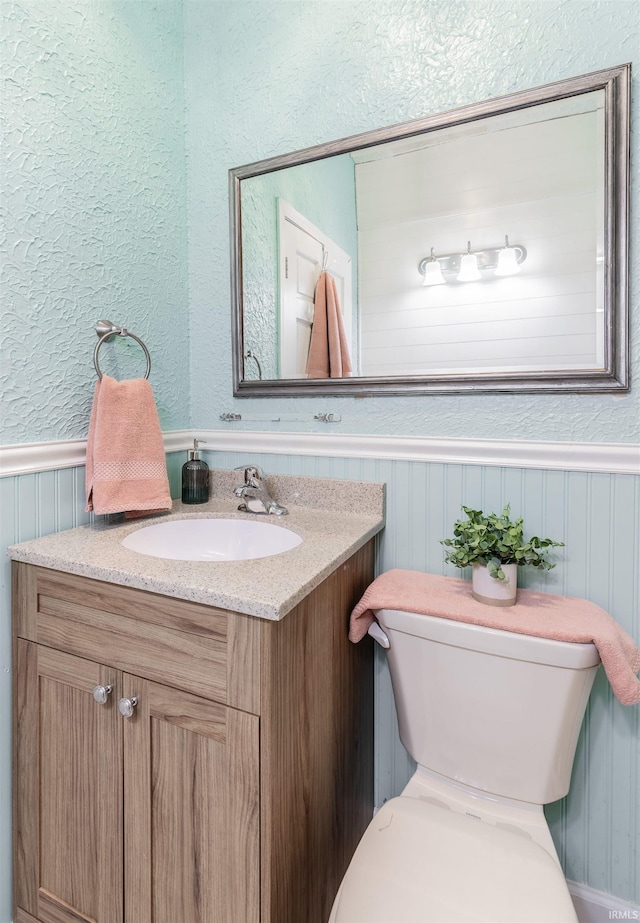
492	719
420	862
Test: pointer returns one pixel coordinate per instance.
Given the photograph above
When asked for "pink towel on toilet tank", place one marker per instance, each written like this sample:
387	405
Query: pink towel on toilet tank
562	618
126	464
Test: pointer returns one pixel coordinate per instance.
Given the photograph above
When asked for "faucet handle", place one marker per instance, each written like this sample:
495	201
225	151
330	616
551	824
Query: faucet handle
253	474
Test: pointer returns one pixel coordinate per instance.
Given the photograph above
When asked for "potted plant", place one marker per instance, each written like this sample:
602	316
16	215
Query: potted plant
494	546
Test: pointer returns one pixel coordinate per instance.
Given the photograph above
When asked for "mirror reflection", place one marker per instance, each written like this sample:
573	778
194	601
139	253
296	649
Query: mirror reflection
468	254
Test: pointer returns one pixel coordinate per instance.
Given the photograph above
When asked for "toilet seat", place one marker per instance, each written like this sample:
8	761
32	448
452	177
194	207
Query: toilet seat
420	862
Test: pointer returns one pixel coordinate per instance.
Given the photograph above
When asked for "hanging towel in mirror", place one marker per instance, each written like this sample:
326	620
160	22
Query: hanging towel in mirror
328	348
126	465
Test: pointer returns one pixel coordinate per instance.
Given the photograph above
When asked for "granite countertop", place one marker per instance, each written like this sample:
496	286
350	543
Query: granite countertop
335	518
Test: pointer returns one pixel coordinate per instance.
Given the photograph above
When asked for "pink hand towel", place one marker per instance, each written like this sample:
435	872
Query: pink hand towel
328	349
126	465
563	618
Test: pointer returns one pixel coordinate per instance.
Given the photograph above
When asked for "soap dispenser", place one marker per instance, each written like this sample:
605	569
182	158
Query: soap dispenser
195	477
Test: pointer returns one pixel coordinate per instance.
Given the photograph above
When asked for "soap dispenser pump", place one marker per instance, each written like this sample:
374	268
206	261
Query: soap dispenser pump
195	477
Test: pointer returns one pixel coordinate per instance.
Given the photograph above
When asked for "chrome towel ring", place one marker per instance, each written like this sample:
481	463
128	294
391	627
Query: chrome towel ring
106	329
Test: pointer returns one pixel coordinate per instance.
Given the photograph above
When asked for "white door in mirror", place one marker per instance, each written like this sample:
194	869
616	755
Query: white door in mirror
302	251
212	540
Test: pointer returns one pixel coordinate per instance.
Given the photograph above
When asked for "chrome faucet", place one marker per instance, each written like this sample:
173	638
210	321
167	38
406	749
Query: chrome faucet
255	495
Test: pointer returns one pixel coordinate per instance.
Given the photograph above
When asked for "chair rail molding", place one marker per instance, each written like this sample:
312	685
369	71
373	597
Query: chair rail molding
33	457
611	458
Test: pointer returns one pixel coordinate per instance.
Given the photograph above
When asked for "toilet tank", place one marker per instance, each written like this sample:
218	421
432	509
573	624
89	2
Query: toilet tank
495	710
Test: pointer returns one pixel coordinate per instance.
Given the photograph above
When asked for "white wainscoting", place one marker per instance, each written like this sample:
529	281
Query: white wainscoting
585	495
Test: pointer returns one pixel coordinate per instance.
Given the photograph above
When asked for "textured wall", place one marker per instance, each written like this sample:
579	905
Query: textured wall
94	179
324	193
266	78
95	183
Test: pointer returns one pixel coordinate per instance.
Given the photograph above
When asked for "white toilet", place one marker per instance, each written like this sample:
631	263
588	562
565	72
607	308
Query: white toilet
492	718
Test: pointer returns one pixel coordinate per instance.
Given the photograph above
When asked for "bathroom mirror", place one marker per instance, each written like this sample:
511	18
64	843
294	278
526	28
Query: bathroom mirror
481	249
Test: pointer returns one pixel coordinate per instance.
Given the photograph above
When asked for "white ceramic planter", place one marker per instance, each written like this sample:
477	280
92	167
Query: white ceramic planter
492	592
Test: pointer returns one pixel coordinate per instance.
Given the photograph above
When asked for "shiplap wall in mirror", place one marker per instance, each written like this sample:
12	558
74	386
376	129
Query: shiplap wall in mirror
537	177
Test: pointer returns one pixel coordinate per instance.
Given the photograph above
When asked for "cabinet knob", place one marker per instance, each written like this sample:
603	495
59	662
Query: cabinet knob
102	693
127	706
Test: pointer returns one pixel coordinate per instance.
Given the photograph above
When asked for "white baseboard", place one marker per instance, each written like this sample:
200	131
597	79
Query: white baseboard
597	907
560	456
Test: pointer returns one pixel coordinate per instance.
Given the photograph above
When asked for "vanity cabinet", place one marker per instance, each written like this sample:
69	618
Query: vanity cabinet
237	783
185	768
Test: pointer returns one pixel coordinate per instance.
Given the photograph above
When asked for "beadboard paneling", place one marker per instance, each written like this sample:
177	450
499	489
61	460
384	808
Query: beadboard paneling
31	505
597	827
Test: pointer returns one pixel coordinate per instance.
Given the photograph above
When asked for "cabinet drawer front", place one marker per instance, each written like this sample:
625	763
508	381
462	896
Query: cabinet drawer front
179	614
202	649
161	639
160	654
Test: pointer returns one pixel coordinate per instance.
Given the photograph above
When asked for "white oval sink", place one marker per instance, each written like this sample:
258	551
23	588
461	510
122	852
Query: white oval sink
211	540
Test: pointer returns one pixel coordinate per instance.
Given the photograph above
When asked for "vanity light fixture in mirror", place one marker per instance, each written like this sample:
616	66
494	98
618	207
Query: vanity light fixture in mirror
504	261
550	166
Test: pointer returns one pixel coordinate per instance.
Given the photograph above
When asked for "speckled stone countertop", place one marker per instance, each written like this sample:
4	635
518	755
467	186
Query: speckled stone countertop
335	518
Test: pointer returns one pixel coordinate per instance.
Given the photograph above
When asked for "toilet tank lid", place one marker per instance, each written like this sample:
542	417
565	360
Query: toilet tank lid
420	862
568	654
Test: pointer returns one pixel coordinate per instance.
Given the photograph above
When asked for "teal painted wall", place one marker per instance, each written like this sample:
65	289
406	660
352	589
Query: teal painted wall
96	184
93	189
268	78
94	226
597	827
312	72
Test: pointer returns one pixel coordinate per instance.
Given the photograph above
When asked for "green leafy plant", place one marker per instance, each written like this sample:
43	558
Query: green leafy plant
495	540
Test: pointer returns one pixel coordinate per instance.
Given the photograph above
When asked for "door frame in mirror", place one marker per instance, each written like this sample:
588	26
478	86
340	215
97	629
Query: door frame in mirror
616	83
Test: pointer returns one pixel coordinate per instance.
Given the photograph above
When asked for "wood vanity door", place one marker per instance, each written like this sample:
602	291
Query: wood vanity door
69	789
191	826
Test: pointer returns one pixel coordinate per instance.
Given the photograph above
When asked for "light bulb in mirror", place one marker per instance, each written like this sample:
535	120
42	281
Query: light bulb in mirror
507	261
469	271
433	272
